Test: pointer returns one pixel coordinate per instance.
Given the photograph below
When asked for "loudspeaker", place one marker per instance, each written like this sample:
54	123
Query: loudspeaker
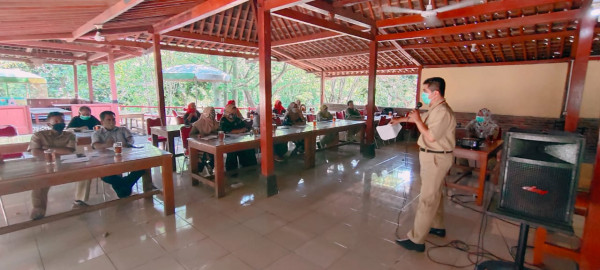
539	174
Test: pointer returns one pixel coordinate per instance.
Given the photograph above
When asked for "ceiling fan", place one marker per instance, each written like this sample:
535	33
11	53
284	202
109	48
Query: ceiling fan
429	13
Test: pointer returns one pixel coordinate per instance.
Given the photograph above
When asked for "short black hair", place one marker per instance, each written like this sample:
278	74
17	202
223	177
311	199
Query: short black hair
52	114
105	113
348	103
436	84
85	108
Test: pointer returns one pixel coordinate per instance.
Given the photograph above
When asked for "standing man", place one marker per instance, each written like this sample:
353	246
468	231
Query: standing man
62	143
436	143
104	138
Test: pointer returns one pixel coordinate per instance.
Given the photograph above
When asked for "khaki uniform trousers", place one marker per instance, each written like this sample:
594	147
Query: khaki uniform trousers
430	211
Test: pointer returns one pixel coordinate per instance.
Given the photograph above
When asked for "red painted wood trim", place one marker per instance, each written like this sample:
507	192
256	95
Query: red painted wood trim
264	64
160	90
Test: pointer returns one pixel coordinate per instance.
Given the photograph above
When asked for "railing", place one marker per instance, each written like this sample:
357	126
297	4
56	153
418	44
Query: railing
153	110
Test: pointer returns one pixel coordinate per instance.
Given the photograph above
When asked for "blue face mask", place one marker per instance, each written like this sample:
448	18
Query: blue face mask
480	119
425	98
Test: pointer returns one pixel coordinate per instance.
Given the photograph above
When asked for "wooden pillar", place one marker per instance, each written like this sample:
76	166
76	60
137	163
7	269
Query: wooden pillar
322	88
264	64
368	147
75	82
418	95
581	53
113	80
160	90
90	81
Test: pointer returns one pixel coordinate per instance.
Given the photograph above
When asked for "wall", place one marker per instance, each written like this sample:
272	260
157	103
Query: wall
590	107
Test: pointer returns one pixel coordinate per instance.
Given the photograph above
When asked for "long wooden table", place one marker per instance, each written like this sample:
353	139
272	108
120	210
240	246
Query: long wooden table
170	132
239	142
481	156
19	143
32	173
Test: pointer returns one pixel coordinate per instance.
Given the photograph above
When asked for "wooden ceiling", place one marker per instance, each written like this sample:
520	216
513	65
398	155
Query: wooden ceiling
323	35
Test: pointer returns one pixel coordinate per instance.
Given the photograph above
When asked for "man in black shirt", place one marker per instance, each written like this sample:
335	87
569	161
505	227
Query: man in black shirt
85	120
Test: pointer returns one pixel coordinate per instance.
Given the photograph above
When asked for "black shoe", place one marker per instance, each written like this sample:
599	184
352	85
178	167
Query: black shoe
438	232
410	245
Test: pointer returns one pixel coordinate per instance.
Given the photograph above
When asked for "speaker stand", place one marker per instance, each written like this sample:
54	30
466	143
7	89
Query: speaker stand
519	258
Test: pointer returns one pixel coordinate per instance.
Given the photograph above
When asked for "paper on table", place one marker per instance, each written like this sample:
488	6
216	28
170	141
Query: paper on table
75	160
210	137
66	157
389	132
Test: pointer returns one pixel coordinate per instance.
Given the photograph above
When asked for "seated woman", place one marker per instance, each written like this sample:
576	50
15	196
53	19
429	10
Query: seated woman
206	125
191	114
325	115
232	123
279	149
352	114
85	119
278	108
294	117
483	127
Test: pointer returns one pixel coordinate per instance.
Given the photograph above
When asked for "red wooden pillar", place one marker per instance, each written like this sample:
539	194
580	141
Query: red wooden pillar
322	88
418	96
368	147
160	90
75	82
113	81
581	53
266	128
90	81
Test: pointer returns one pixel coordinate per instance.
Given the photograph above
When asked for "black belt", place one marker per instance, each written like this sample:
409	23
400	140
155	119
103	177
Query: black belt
435	152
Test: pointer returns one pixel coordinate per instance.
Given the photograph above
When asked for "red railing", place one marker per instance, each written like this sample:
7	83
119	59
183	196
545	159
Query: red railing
153	110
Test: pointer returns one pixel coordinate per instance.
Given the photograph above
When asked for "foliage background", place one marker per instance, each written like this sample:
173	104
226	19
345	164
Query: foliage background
136	86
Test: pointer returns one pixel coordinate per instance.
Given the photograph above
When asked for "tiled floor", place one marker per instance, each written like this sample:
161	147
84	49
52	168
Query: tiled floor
343	214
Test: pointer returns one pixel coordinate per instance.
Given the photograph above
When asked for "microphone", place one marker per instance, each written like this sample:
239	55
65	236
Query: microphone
419	105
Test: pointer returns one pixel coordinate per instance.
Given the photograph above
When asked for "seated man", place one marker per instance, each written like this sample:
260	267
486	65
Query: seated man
352	114
54	139
85	120
104	138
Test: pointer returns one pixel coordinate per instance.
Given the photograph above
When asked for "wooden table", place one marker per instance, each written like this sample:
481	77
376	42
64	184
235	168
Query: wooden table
239	142
129	117
32	173
19	143
170	132
481	155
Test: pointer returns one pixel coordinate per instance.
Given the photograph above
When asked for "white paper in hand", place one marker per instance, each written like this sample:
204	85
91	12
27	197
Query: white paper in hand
389	132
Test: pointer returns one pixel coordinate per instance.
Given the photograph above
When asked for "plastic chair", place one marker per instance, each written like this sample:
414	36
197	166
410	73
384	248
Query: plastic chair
154	122
219	115
174	112
339	115
185	134
9	131
362	112
311	117
382	122
179	120
278	121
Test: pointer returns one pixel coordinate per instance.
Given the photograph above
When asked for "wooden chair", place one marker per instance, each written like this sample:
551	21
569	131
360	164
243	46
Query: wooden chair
155	122
185	134
339	115
311	117
179	120
174	113
219	115
9	131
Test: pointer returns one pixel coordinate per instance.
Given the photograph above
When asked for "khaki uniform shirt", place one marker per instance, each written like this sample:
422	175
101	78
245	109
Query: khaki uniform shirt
441	123
118	134
47	139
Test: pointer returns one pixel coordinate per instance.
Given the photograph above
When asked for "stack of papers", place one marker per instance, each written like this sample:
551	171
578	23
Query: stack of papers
389	132
73	159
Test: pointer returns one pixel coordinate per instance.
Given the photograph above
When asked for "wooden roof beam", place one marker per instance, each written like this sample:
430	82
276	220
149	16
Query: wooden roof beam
201	11
350	53
510	63
58	46
340	13
120	43
62	36
214	39
467	28
41	55
109	14
513	39
204	51
303	39
490	7
321	23
275	5
343	3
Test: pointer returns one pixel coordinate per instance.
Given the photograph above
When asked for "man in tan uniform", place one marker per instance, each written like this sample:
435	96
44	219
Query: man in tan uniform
54	139
436	143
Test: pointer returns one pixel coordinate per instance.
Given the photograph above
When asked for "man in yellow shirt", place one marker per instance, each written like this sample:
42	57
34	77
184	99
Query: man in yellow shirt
436	143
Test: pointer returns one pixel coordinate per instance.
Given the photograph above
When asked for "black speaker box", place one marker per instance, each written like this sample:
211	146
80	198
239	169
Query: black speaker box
539	174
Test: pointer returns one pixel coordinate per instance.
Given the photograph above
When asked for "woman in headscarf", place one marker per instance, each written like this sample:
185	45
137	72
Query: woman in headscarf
325	115
483	126
279	149
294	117
191	114
206	125
232	123
278	108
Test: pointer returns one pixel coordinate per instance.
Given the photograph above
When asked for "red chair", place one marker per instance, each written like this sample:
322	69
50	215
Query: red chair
339	115
219	115
174	112
185	134
311	117
278	121
154	122
9	131
179	120
362	112
384	121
